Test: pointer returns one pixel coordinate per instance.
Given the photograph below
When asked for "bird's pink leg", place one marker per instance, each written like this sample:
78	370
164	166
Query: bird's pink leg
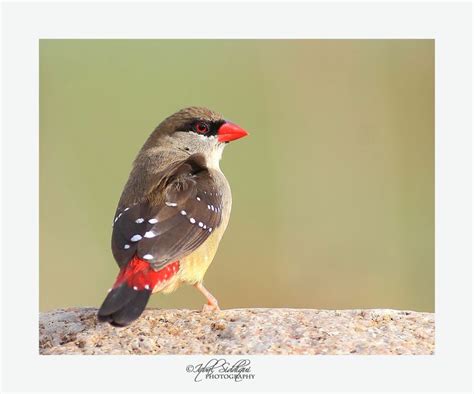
211	300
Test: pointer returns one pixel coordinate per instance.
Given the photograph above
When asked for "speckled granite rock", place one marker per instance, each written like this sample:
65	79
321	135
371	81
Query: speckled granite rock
240	331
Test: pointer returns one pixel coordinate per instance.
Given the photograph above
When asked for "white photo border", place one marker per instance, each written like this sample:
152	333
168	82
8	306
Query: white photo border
23	24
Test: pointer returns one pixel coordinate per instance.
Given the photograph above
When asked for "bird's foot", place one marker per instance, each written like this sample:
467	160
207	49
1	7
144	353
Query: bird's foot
210	308
212	304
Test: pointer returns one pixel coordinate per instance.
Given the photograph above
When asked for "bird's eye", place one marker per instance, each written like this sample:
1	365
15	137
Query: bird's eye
201	127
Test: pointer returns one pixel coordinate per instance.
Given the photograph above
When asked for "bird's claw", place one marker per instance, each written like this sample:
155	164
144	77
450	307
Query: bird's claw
210	308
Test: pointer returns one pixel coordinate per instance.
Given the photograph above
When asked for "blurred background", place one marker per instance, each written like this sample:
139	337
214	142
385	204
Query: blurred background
333	190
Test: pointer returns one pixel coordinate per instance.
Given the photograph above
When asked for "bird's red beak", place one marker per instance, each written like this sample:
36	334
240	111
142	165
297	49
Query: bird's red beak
230	132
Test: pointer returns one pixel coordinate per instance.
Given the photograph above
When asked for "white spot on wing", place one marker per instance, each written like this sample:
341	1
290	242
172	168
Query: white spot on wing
136	237
153	221
126	246
183	212
139	220
148	257
171	204
200	224
150	234
197	198
192	220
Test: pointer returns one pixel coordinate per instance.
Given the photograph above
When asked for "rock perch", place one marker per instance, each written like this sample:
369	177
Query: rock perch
240	331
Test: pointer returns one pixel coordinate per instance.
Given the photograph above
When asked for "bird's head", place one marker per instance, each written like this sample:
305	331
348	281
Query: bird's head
195	130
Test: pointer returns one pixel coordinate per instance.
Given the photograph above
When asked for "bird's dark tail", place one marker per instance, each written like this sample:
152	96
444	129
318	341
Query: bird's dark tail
123	305
128	297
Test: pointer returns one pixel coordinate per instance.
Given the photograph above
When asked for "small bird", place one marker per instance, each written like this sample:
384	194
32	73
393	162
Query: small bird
172	214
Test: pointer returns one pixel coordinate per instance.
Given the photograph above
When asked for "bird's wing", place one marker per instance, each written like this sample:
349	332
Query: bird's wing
174	220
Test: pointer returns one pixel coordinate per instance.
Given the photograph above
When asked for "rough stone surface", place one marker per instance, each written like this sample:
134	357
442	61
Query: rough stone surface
240	331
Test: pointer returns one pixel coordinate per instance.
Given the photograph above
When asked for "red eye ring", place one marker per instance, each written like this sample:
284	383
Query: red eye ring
201	127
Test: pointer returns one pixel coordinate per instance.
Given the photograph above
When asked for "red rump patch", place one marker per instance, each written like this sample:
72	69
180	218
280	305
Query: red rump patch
139	274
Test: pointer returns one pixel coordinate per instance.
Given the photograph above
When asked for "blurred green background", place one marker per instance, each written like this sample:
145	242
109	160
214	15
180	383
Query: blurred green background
333	191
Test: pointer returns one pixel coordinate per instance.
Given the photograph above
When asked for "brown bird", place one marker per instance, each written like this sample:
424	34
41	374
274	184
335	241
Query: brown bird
172	214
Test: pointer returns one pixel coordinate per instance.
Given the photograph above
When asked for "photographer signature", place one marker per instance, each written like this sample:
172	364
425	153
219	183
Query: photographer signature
221	369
